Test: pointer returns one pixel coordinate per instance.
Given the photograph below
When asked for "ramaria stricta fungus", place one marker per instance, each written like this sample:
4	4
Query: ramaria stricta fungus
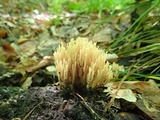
81	63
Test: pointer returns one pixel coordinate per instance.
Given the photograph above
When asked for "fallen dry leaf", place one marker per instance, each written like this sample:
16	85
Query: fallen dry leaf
8	53
147	95
112	57
142	87
44	62
125	94
3	33
8	49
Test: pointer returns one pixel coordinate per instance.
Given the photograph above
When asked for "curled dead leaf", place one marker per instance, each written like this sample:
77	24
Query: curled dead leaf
44	62
3	33
8	49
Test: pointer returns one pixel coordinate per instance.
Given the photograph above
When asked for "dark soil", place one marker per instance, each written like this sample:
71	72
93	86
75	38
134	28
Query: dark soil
51	103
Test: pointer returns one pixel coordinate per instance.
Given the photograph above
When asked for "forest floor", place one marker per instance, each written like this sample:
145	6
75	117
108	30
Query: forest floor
28	82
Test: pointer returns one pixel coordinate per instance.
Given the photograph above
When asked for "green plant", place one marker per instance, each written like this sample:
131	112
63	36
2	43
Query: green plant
88	6
56	6
141	40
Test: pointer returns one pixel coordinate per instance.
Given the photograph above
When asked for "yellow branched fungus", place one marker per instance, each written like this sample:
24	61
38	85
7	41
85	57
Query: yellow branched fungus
82	63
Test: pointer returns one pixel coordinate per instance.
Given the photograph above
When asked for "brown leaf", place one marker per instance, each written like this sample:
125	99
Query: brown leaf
148	97
44	62
3	33
8	49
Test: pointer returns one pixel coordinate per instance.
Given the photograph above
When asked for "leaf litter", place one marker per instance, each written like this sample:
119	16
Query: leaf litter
29	36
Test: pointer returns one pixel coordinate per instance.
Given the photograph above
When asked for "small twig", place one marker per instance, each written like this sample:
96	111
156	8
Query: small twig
25	118
93	113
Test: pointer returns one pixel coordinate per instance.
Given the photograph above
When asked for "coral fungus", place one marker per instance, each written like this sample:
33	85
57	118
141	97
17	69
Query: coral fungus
82	63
